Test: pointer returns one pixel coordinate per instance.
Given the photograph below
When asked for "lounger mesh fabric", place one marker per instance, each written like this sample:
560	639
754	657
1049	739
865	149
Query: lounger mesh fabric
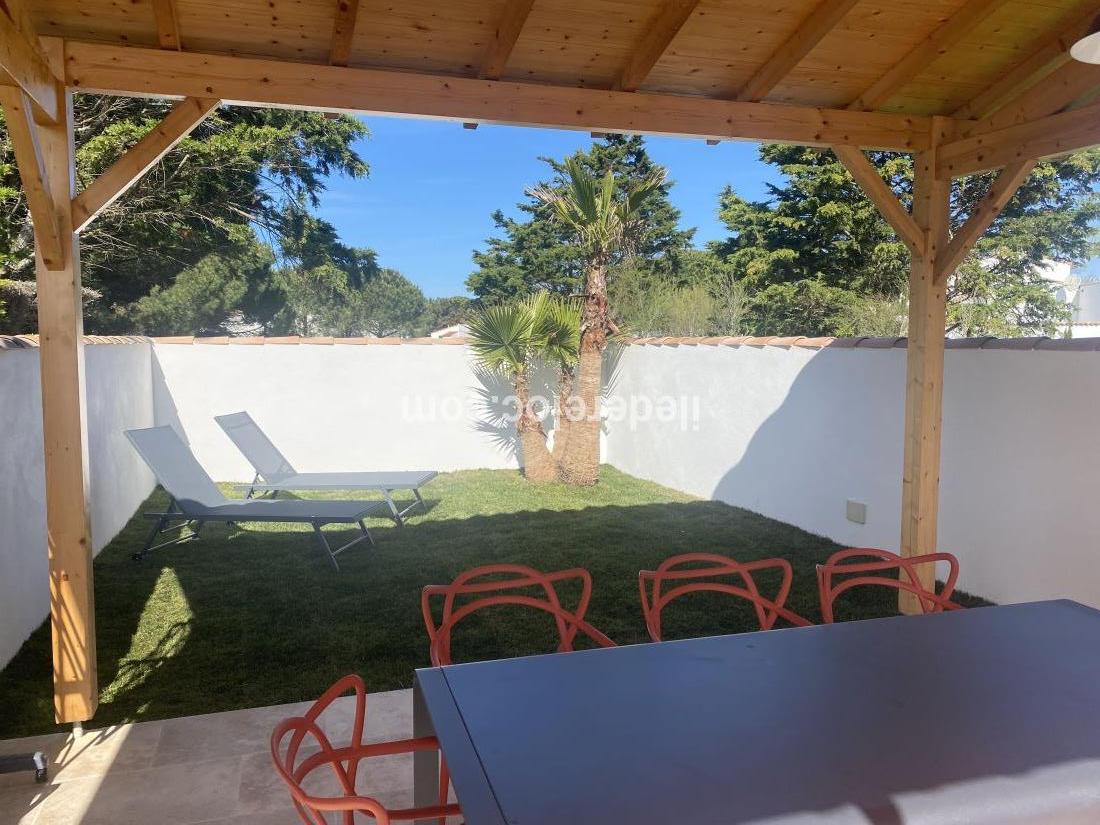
175	467
270	464
274	472
195	499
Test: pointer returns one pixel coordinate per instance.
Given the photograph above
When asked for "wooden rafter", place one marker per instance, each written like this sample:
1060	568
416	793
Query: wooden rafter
811	31
504	38
1064	86
22	60
246	81
1052	53
23	133
1046	137
343	32
666	24
1000	192
139	159
168	24
925	53
872	184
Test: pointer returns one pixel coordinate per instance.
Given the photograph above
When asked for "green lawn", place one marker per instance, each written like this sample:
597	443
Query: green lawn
256	616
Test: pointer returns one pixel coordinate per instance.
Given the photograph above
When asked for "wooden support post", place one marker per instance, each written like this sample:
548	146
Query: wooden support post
924	368
65	439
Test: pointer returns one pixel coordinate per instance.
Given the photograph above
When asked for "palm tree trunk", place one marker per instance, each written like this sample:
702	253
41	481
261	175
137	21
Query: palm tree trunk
563	424
538	464
580	461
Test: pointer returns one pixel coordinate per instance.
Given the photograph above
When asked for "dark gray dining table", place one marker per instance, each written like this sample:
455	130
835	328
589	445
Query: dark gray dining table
989	715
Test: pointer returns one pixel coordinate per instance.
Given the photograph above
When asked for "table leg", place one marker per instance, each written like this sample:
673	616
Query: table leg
425	763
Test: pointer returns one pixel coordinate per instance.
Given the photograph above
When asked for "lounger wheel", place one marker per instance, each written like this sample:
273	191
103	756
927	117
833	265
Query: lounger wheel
137	556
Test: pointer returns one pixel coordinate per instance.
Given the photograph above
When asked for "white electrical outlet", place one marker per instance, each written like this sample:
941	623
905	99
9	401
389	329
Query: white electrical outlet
857	511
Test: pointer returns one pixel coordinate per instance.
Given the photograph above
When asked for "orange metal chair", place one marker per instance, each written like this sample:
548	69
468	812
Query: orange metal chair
686	568
299	748
498	584
871	571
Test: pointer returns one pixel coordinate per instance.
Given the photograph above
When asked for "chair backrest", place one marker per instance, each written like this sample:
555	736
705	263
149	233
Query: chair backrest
175	467
688	573
299	747
271	465
862	566
499	584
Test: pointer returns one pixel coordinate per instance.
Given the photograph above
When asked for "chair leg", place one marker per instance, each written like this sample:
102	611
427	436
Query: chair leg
325	545
395	514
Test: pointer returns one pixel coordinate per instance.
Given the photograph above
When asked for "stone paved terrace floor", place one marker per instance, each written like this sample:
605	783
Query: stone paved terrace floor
213	769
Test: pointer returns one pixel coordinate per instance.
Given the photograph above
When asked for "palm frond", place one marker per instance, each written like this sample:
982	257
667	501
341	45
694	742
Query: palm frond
501	337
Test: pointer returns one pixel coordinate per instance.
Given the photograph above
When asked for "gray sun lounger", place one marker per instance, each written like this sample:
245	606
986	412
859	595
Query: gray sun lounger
275	473
195	499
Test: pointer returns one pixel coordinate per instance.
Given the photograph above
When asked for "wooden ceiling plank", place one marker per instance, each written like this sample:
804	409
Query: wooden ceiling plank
664	27
504	38
22	59
139	159
925	53
1046	137
343	32
246	81
882	196
18	11
1000	192
168	26
23	133
1051	54
811	31
1064	86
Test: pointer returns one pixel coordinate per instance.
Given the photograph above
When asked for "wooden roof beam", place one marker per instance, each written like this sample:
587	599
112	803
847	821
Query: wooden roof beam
811	31
1060	89
1051	54
925	53
1046	137
168	25
882	196
246	81
23	133
139	159
343	32
23	61
665	25
1000	192
504	38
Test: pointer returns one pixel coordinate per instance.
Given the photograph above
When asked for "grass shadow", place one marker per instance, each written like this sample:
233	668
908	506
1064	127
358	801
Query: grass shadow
253	615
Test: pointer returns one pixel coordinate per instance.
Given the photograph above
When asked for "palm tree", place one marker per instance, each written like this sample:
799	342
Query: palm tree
510	340
603	224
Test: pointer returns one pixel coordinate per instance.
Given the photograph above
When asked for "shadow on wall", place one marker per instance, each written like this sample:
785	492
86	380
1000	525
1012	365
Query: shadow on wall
835	435
164	406
495	409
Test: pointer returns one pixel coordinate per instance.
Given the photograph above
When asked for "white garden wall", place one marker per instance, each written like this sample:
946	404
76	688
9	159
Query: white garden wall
794	433
119	396
333	407
791	432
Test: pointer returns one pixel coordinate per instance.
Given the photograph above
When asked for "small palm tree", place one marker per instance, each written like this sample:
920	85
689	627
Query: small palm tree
510	340
603	224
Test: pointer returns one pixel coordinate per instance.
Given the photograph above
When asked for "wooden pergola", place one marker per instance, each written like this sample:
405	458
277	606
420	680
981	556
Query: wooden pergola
964	85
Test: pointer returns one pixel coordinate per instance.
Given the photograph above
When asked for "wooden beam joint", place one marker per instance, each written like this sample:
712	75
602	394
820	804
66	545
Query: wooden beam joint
887	203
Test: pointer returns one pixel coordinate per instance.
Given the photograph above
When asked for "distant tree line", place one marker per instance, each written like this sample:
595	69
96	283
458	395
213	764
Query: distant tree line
815	258
220	236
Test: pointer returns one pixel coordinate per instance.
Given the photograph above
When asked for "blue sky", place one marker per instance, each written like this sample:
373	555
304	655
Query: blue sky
425	205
